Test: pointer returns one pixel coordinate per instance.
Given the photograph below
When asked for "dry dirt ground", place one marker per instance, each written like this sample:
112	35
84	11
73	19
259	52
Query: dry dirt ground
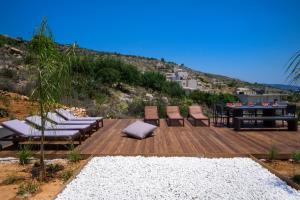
18	106
47	190
285	167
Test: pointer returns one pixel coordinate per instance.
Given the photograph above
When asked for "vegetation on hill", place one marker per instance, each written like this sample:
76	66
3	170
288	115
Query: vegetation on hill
111	84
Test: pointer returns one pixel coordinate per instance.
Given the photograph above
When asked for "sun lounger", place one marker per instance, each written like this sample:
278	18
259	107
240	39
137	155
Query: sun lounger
24	132
70	117
37	121
173	114
54	117
151	114
195	112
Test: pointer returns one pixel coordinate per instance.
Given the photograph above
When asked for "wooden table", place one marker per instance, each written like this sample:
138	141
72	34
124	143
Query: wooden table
238	111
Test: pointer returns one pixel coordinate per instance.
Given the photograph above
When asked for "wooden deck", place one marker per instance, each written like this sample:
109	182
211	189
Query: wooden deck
188	140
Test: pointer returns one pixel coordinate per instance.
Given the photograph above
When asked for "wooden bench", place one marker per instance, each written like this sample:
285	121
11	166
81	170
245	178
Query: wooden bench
291	120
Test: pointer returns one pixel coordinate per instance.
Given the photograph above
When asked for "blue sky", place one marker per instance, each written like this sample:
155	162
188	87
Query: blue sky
247	39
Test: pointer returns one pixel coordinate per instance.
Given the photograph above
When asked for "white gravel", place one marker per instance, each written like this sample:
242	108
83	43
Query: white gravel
120	178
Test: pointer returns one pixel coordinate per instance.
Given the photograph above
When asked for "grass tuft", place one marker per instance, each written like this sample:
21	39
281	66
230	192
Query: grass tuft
273	153
66	175
30	187
74	156
12	179
24	154
296	156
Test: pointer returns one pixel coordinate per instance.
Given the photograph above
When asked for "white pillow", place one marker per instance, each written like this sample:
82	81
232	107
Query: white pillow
139	130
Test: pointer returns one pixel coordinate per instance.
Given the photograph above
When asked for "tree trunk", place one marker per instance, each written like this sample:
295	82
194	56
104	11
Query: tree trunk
42	156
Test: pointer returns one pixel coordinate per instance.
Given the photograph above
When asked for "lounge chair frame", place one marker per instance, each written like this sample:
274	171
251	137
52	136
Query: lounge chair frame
197	120
170	119
154	119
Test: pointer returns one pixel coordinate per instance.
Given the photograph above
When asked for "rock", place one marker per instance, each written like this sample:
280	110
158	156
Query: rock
165	100
15	51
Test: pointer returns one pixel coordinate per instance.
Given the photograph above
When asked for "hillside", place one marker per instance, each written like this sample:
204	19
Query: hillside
108	100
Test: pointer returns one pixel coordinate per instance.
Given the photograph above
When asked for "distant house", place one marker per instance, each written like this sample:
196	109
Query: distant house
218	83
188	84
170	76
181	75
258	98
245	91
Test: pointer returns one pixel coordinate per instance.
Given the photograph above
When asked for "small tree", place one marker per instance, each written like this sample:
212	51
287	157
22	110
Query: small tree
50	69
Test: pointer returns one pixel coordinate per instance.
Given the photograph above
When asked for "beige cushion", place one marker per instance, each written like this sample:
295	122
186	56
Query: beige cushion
139	130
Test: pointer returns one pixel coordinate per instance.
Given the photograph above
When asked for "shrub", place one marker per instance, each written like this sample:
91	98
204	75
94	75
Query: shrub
5	100
12	179
173	89
273	153
8	73
66	175
296	156
210	99
296	179
30	187
101	98
24	154
161	107
136	107
183	105
108	76
54	168
3	112
130	74
73	155
153	80
11	116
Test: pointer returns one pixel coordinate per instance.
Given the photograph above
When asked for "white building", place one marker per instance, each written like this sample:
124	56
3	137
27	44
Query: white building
246	91
188	83
181	75
258	98
170	76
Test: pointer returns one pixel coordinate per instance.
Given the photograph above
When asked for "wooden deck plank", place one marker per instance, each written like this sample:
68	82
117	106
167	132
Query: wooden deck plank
187	140
181	141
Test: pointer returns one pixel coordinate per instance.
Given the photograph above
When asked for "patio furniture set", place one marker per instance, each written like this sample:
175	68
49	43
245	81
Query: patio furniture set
173	115
236	115
59	126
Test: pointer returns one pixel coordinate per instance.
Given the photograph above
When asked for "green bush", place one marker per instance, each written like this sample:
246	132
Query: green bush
66	175
136	108
130	74
296	179
153	80
12	179
296	156
183	104
273	153
73	155
210	99
3	112
173	89
8	73
24	154
54	168
101	98
108	76
30	187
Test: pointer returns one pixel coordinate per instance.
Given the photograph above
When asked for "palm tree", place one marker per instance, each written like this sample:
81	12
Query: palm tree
293	68
50	70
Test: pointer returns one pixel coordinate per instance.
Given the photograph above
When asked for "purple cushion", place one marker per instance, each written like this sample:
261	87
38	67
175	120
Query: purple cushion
139	130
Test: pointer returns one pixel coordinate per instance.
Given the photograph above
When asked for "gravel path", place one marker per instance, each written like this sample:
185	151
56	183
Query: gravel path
118	178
